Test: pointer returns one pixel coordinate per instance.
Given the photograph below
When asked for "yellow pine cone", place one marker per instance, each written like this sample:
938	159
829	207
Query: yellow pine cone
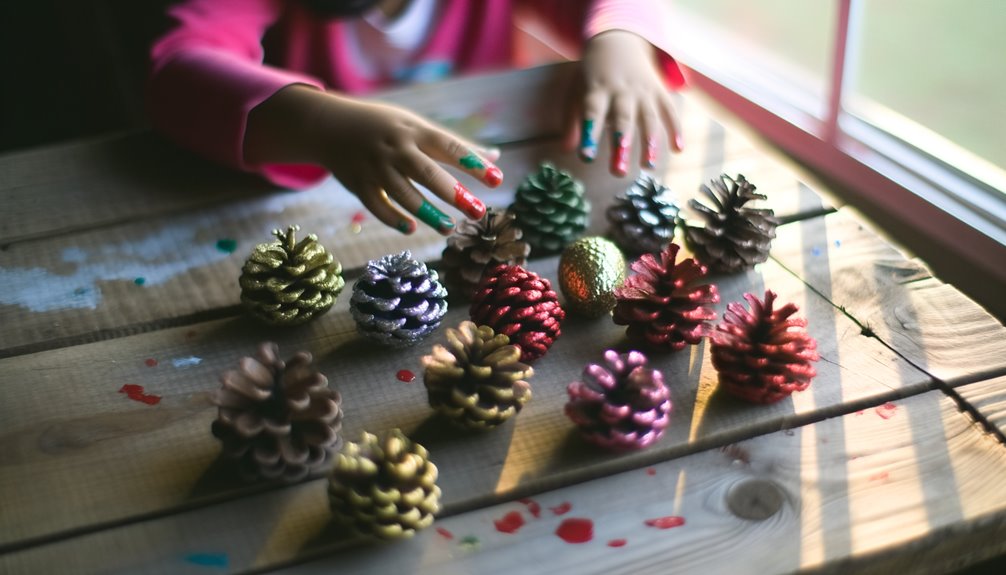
288	283
477	379
384	486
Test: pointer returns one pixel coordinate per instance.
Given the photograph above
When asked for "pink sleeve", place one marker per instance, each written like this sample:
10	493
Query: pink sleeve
207	75
645	18
580	20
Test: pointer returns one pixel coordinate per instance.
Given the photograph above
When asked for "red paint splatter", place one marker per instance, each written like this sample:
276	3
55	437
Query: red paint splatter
358	218
667	522
510	522
617	543
887	410
651	471
135	392
151	362
532	507
861	412
445	533
494	176
405	375
561	508
882	476
576	530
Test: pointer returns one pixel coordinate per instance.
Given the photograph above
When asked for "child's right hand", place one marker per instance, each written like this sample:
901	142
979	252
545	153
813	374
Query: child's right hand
375	150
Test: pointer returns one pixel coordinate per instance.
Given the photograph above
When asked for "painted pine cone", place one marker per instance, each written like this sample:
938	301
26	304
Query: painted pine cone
762	355
551	209
288	282
477	379
385	487
664	304
640	221
520	305
278	419
620	404
735	237
477	245
398	301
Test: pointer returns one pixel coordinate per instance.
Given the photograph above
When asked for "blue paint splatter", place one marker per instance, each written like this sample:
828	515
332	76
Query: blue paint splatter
186	361
838	243
816	251
140	281
216	560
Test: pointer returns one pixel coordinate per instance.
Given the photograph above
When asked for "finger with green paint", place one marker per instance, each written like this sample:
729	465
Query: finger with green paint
454	151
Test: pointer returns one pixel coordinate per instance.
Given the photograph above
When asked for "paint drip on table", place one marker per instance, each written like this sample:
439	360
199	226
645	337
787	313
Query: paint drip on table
136	393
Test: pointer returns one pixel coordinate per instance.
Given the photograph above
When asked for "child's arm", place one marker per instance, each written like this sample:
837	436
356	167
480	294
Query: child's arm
210	92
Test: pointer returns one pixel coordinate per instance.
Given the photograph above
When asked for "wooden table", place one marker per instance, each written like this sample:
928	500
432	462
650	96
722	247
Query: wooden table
119	261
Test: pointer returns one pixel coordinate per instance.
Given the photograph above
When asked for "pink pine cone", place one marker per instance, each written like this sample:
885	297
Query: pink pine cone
621	404
762	355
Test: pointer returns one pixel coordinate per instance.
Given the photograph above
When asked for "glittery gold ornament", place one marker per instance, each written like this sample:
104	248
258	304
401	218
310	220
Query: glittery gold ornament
287	282
590	270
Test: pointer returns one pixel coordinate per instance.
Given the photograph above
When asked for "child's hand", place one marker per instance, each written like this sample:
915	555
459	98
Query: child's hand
621	87
377	151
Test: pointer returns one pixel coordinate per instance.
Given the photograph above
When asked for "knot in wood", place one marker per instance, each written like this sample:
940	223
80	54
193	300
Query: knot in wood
756	499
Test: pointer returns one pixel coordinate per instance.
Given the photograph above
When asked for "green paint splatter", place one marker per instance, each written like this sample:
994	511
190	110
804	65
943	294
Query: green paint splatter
471	161
227	245
140	281
469	542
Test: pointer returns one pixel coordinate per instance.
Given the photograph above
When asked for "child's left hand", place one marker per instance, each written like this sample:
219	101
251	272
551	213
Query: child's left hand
621	87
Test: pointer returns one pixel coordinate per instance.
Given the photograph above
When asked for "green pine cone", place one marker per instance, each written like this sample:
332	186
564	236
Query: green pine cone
551	209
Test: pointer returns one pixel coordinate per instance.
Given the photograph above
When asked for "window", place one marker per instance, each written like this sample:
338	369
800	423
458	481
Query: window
900	101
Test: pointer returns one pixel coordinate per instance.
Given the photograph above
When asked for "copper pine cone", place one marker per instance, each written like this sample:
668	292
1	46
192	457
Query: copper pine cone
664	304
735	237
477	379
620	404
520	305
384	486
287	282
762	355
279	419
477	245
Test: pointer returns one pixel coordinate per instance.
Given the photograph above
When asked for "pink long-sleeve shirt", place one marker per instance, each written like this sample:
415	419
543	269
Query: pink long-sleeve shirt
208	71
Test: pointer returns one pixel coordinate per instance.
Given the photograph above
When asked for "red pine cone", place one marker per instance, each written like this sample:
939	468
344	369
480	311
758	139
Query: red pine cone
761	355
520	305
663	303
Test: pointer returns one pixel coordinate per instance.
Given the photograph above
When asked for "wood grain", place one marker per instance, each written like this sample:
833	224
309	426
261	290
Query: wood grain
904	487
927	321
64	411
989	400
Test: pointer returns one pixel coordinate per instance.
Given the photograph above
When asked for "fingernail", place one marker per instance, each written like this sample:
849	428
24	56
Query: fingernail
651	152
468	203
493	177
407	227
679	142
493	152
619	154
433	217
471	161
588	147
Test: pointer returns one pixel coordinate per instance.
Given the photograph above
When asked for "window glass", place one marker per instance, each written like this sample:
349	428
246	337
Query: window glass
936	63
788	39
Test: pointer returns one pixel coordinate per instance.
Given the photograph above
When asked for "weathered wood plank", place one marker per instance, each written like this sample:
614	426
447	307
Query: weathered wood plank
932	324
63	411
989	399
84	287
908	487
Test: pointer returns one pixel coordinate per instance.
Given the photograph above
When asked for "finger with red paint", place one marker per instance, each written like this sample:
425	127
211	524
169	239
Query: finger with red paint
621	119
421	168
454	151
